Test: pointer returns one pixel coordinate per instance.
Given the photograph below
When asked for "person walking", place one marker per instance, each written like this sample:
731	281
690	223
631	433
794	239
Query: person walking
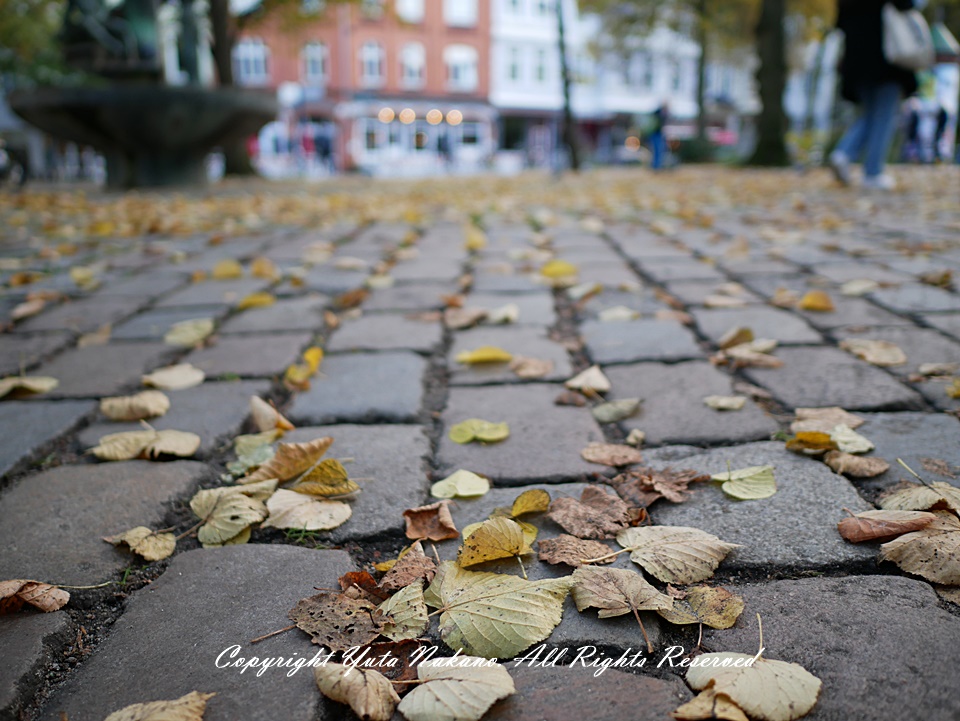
658	140
876	86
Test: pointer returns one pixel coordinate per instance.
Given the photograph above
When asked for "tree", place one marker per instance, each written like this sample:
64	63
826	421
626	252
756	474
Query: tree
28	47
569	127
771	149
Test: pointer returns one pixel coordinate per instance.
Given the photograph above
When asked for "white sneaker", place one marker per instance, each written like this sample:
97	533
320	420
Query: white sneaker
840	165
879	182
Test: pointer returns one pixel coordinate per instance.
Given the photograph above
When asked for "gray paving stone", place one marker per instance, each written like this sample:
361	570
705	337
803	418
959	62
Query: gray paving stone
28	426
24	351
386	332
818	377
545	440
673	409
692	269
145	284
920	264
636	340
742	267
153	324
292	314
363	387
217	598
215	292
921	345
595	253
105	369
419	297
429	268
917	298
840	273
519	340
392	459
694	292
852	312
498	283
30	640
808	255
327	280
535	308
644	302
54	520
215	411
821	624
83	316
796	528
249	356
610	274
765	322
948	323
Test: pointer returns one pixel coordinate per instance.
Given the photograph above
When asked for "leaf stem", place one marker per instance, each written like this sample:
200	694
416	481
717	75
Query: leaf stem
760	627
604	558
646	638
265	636
194	527
522	569
912	472
84	588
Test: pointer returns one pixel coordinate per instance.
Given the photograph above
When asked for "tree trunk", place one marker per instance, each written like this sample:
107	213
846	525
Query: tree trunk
569	127
771	147
236	158
702	72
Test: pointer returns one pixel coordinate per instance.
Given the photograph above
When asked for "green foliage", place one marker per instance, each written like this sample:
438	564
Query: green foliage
28	47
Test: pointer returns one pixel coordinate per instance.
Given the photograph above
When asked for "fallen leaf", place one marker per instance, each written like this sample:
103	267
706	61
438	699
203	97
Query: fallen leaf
504	315
784	298
28	308
493	539
265	268
327	478
484	354
723	301
432	522
252	450
266	417
99	337
859	286
188	333
611	454
766	690
412	566
817	301
17	386
290	509
14	594
558	269
642	486
477	429
938	369
725	403
494	615
617	314
748	484
591	380
877	352
227	269
616	411
175	377
570	398
379	281
146	444
260	299
675	554
811	443
146	404
476	239
351	299
849	441
597	514
536	500
291	459
368	692
709	704
461	318
572	551
360	584
636	438
84	277
456	690
953	390
530	368
712	606
615	591
186	708
922	497
336	621
460	484
932	553
938	466
747	355
883	525
407	613
855	466
823	420
151	545
227	512
738	335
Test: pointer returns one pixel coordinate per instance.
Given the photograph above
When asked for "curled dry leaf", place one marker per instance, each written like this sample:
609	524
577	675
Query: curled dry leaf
14	594
725	403
368	692
709	704
411	567
824	420
616	411
483	355
18	386
597	514
186	708
636	438
817	301
615	591
675	554
266	417
932	553
738	335
591	380
460	484
151	545
572	551
536	500
494	615
259	299
404	613
175	377
883	525
228	512
461	318
920	497
856	466
290	460
493	539
642	486
747	356
570	398
748	484
289	509
262	267
766	690
811	443
138	407
328	478
859	286
337	621
360	584
611	454
459	689
188	333
877	352
477	429
617	314
712	606
146	444
849	441
432	522
530	368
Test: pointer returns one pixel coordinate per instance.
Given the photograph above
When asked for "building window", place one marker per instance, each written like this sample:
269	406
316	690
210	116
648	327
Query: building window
676	75
371	9
316	63
461	62
513	65
372	71
460	13
540	68
410	11
413	63
251	64
543	7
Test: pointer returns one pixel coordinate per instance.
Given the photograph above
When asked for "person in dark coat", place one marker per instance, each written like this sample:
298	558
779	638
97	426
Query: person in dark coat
875	85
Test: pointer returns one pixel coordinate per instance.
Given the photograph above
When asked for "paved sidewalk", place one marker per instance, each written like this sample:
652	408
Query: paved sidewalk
678	259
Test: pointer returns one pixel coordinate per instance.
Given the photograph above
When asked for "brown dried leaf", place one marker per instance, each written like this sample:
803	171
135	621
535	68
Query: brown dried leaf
460	318
611	454
597	514
938	466
675	554
432	522
368	692
712	606
151	545
186	708
824	420
360	584
856	466
291	459
570	398
146	404
411	567
883	525
530	368
572	551
337	621
919	497
15	593
266	417
932	552
642	486
615	591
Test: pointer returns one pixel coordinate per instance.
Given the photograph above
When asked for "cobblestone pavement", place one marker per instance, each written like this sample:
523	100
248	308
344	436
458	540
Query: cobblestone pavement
693	253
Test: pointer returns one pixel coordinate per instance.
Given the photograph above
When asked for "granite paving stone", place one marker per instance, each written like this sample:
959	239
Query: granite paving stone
153	324
85	315
54	520
807	255
637	340
287	314
796	528
921	345
215	292
666	270
750	266
105	369
24	351
765	322
948	323
851	312
249	356
363	387
408	298
694	292
610	274
327	280
545	440
218	598
29	641
644	302
215	411
917	298
673	410
840	273
499	283
881	645
149	285
385	332
819	377
29	426
428	268
391	460
526	341
535	308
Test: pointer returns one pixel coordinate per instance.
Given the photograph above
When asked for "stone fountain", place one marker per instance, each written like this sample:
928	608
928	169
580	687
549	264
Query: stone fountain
150	107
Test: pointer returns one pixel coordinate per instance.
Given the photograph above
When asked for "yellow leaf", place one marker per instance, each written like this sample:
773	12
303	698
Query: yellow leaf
817	301
175	378
256	300
312	357
227	269
152	546
812	443
556	269
878	352
536	500
291	460
748	484
476	238
189	333
494	538
713	607
476	429
462	484
16	386
264	268
484	354
327	478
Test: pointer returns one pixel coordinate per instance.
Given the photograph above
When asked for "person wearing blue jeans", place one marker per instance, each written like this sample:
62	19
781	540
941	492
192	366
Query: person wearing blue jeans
658	141
875	85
